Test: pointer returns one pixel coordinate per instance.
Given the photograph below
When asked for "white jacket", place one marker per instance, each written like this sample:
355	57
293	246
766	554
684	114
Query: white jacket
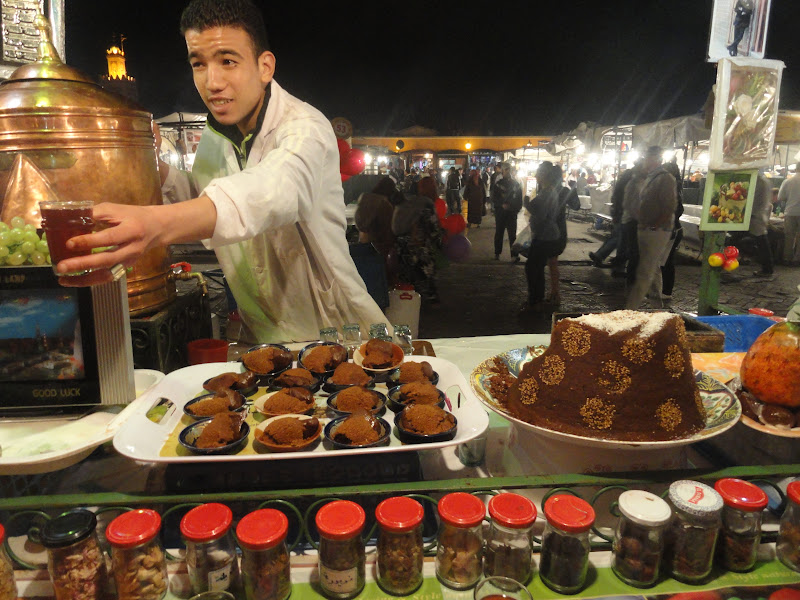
280	231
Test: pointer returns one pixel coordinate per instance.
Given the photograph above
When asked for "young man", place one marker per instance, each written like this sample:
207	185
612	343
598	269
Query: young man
264	192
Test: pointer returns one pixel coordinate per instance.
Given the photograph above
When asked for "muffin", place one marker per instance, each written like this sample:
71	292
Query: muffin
223	429
267	359
324	358
288	431
359	429
426	419
231	381
419	392
294	400
415	371
350	374
354	398
378	354
298	377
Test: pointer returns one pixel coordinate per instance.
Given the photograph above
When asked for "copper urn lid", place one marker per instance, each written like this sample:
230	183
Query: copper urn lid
62	134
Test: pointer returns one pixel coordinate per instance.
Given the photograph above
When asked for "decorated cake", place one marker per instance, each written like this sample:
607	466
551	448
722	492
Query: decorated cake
623	375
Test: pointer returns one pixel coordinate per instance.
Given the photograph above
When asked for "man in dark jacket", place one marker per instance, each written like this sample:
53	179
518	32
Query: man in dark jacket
506	198
743	14
453	197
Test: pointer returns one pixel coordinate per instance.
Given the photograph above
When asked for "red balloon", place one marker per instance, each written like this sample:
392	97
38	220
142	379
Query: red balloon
454	224
344	147
354	162
344	177
441	208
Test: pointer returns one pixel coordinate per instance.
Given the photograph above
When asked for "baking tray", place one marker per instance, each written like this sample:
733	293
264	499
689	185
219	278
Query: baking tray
141	439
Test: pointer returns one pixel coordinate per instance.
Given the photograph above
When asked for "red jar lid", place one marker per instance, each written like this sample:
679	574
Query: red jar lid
512	510
133	528
262	529
793	491
764	312
569	513
461	509
2	534
399	514
206	522
340	519
741	494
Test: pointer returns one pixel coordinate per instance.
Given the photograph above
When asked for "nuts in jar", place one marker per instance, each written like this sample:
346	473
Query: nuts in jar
740	535
460	548
138	561
564	559
210	551
265	558
788	544
342	562
639	537
400	545
508	543
74	559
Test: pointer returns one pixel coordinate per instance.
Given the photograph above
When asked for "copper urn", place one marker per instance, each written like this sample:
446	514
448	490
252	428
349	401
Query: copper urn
62	134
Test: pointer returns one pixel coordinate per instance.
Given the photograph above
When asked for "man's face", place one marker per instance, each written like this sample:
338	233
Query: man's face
228	76
651	163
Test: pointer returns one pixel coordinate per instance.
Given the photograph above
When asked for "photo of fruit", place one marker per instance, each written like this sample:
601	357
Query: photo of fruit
727	200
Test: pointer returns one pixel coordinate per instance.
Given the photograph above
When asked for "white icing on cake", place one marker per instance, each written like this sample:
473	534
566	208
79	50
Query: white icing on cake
620	321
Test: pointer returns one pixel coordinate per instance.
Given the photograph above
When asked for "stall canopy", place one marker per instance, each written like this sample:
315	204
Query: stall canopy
182	119
671	133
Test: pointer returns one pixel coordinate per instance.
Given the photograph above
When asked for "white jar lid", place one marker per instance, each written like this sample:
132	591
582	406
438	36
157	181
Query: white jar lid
644	508
695	498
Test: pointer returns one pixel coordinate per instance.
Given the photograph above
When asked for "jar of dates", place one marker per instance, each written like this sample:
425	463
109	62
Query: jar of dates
740	534
342	563
460	541
8	587
400	545
137	557
74	559
210	551
508	543
639	537
565	549
788	544
265	558
692	534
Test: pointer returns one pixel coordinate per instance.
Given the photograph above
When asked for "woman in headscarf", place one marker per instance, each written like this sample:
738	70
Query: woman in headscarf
475	194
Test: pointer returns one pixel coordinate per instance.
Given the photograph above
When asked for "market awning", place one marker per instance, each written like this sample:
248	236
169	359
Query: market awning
671	133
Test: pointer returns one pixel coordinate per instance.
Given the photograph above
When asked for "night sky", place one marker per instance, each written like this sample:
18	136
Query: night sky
537	68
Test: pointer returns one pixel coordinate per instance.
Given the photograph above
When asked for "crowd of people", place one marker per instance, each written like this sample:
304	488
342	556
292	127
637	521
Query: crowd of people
646	206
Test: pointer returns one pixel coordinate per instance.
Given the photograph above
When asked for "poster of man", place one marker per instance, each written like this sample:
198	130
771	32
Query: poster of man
738	28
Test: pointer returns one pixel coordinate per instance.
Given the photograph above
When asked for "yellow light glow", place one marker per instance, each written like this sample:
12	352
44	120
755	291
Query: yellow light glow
467	145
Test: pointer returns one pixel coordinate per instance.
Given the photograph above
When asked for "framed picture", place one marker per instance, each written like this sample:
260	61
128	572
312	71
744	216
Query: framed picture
745	113
738	28
728	200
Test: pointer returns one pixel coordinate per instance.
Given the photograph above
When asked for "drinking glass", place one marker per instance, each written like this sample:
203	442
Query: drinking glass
329	334
351	336
501	588
379	330
62	221
402	336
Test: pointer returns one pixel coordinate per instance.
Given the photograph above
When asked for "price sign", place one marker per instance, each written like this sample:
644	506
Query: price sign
342	128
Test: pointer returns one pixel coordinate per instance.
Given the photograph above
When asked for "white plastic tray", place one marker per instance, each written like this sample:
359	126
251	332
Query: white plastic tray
142	440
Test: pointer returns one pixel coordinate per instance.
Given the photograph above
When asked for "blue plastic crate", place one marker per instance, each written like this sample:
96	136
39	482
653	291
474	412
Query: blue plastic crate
740	330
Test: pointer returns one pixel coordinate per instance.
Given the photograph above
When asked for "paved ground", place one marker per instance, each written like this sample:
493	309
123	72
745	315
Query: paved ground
482	296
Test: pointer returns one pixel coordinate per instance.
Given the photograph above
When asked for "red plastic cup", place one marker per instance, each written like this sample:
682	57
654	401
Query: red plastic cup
207	350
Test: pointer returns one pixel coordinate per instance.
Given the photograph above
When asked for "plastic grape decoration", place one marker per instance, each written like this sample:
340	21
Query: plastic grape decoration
20	244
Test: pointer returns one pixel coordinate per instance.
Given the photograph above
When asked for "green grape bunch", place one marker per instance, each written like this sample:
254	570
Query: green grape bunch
20	244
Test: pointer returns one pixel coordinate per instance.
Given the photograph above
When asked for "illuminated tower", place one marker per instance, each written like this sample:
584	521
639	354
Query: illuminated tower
118	79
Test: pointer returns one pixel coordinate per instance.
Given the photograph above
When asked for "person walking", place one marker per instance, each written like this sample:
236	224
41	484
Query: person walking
759	227
655	216
452	196
507	202
475	195
567	197
545	235
789	195
668	269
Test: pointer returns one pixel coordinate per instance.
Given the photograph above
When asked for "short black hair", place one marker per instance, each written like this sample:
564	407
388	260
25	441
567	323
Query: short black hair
204	14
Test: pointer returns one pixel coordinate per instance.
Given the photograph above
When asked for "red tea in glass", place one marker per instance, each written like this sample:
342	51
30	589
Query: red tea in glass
62	221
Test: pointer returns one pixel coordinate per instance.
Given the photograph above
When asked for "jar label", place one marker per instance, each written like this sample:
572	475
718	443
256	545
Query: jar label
338	582
219	580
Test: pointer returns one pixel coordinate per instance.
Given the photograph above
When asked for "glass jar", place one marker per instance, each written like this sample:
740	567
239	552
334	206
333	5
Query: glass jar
342	563
8	587
265	558
508	543
692	534
137	557
379	330
564	558
400	548
460	546
788	544
740	534
639	537
74	559
210	550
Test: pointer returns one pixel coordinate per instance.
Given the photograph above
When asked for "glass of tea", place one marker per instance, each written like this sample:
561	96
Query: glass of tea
62	221
501	588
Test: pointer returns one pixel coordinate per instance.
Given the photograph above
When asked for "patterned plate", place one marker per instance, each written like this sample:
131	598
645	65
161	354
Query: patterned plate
722	406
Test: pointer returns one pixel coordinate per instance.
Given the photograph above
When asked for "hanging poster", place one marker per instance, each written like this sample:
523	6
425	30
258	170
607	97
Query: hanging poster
728	200
745	113
738	28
